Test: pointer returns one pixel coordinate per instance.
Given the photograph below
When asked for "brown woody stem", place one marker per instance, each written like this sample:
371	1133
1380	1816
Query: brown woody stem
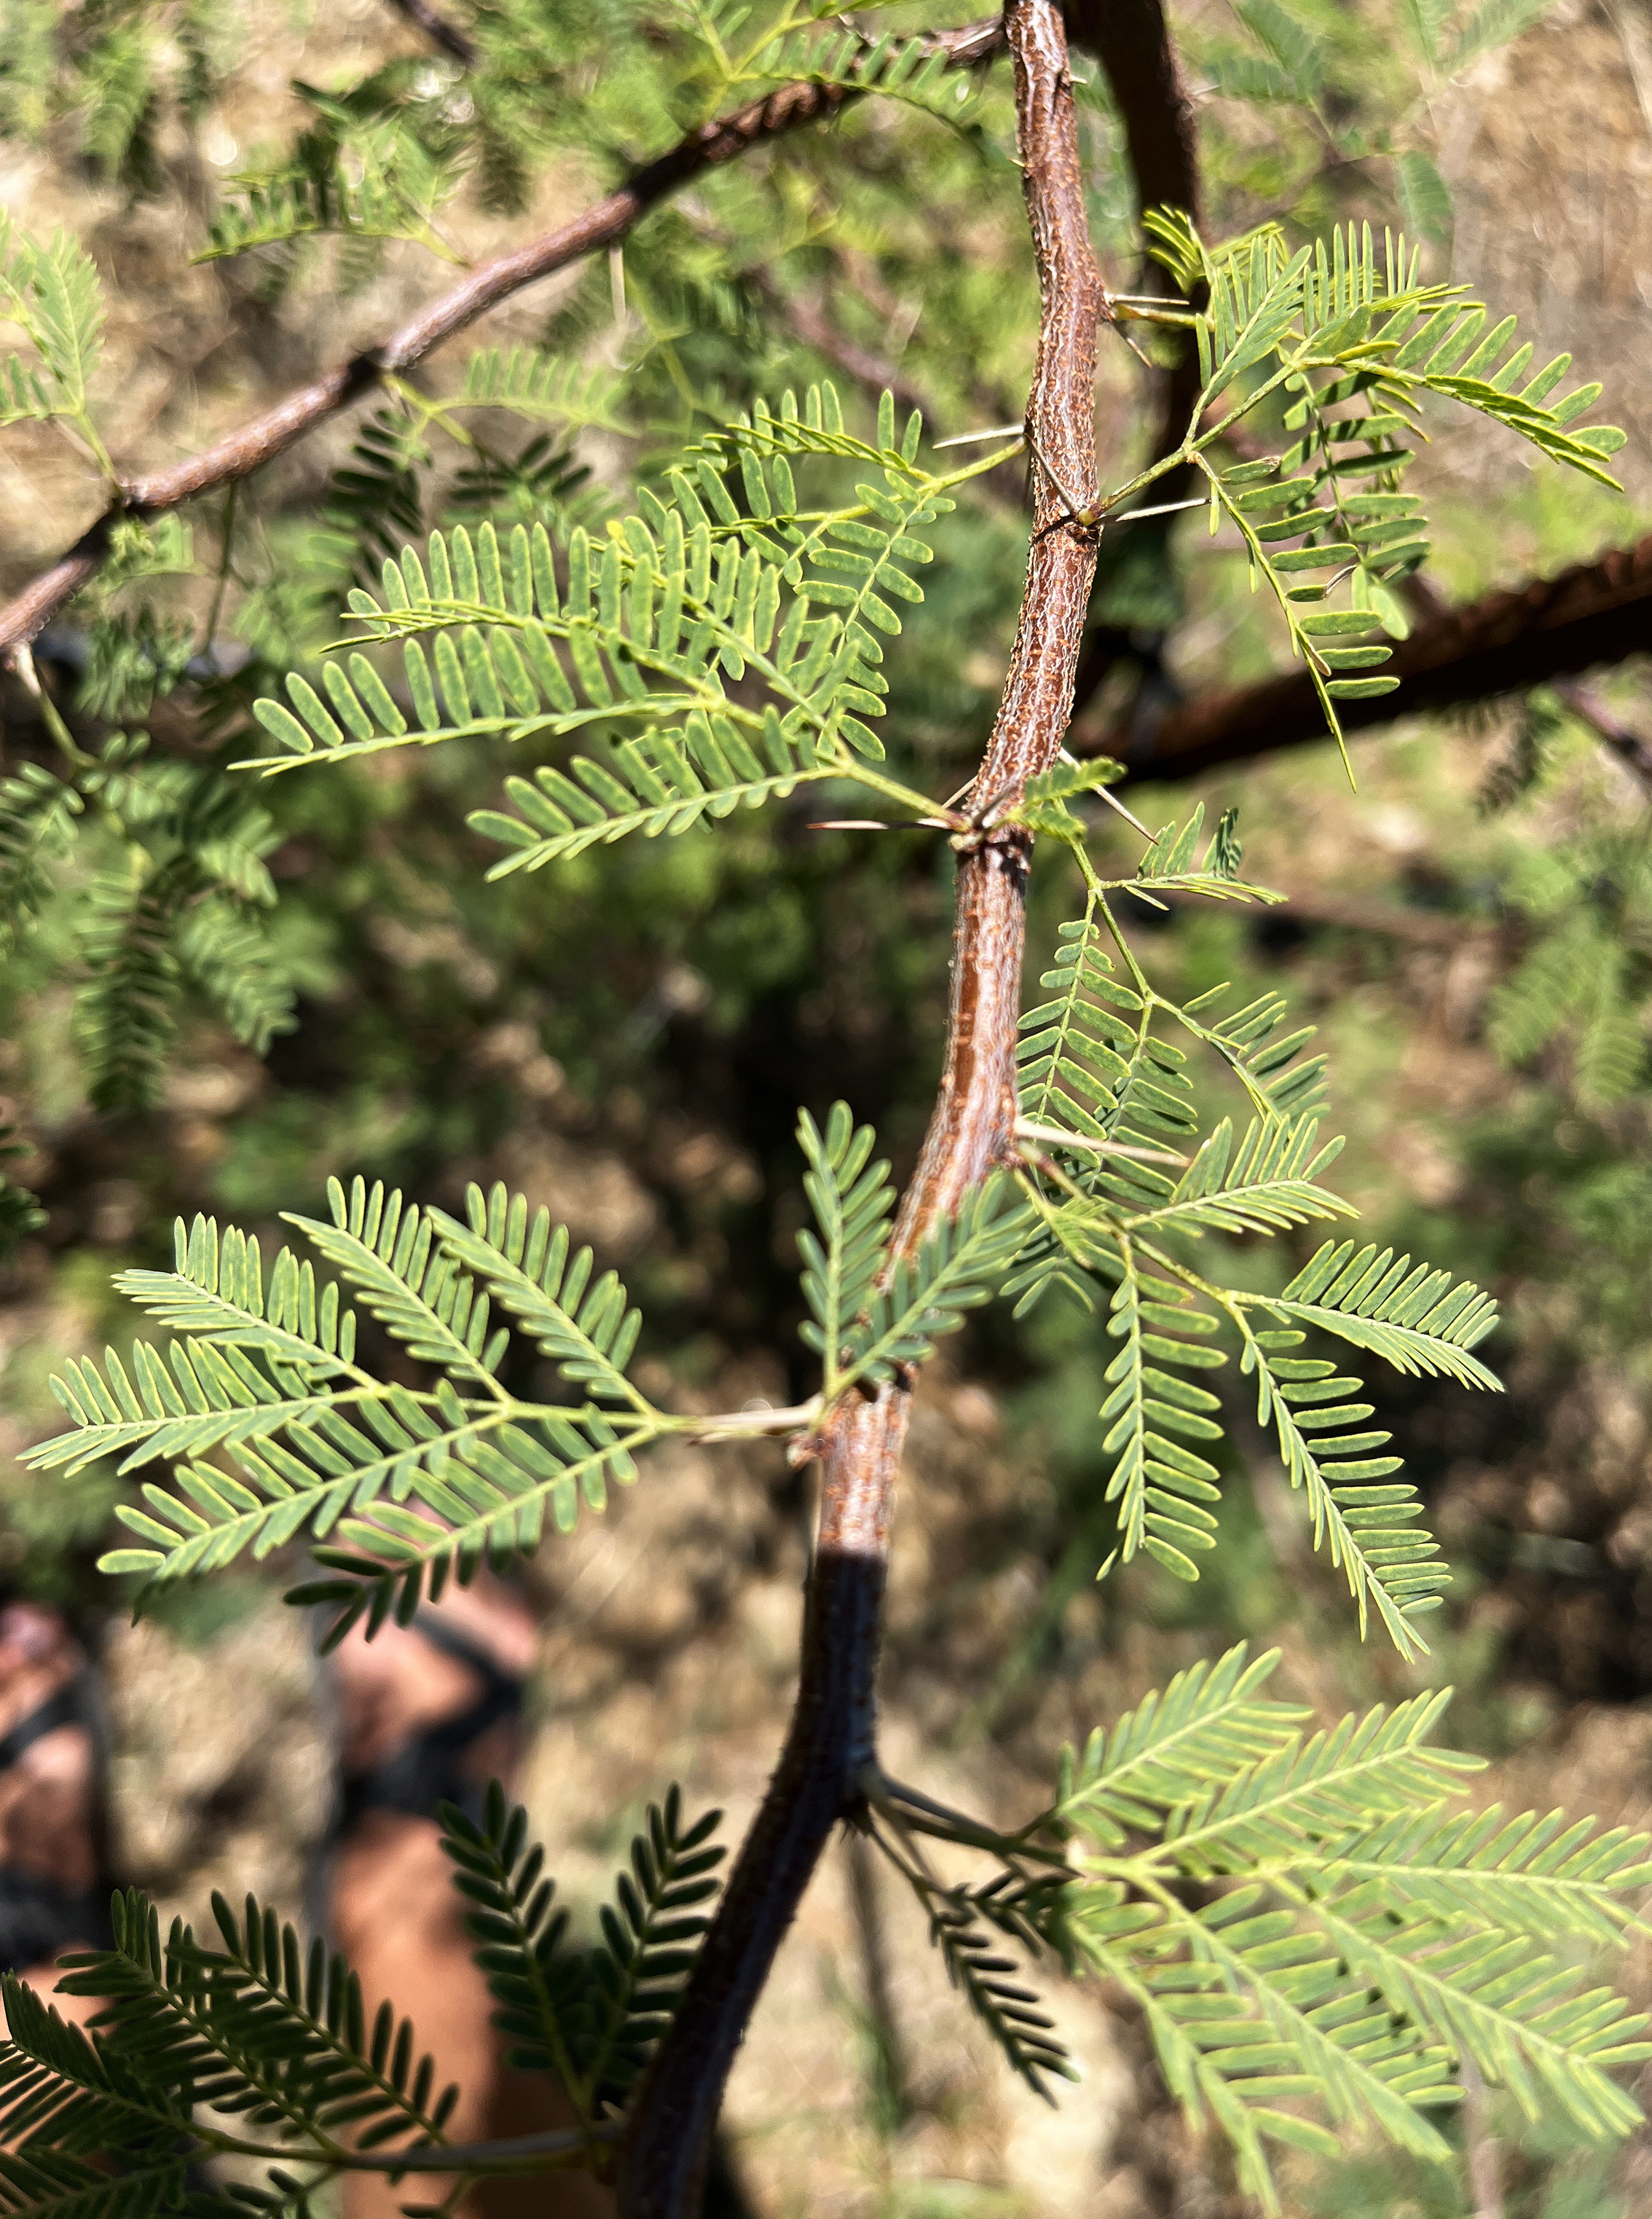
1531	635
602	225
1133	39
830	1742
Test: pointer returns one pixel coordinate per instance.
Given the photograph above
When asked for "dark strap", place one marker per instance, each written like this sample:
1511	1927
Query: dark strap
38	1920
430	1768
66	1709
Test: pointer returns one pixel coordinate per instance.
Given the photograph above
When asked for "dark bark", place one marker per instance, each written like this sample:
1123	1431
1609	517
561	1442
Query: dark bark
1551	628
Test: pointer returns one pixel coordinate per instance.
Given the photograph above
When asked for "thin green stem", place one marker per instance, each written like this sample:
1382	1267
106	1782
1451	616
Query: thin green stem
227	531
24	661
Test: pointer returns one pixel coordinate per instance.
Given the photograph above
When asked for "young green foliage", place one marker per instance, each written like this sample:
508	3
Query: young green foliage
593	2016
267	1378
852	1200
1347	345
1348	1936
683	599
1314	1938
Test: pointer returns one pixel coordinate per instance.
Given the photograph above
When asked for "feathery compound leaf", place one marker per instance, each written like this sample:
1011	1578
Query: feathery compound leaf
1159	1483
591	2017
1352	342
1073	1051
653	624
1414	1317
853	1201
546	388
1542	1876
126	1014
1365	1515
1175	1747
650	1939
588	1329
992	1984
313	1442
38	821
956	1269
52	294
1365	1768
1266	1184
274	2038
913	70
408	1279
1362	1937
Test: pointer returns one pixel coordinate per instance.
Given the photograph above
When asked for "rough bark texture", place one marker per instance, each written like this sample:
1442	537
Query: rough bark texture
1132	40
1594	613
602	225
831	1739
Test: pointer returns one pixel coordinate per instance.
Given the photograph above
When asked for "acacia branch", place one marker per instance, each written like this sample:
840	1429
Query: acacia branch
1551	628
242	453
830	1742
1132	40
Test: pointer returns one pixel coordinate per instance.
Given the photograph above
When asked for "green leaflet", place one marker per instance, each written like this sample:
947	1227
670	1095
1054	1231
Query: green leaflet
1364	1515
898	69
653	624
1264	1183
1416	1318
410	1487
175	908
586	1326
852	1200
1161	1484
51	294
592	2017
1175	1746
1366	1933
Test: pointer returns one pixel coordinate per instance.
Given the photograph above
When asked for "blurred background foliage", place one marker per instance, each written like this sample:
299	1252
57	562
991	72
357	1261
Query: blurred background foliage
628	1036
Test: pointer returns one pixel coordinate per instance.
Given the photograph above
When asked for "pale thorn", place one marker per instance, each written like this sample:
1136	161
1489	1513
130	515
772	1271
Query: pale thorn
1164	508
1065	755
974	438
881	824
1128	817
757	1417
1027	1130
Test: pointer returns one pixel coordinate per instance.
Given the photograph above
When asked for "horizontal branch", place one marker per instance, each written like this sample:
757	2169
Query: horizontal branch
242	453
1551	628
436	28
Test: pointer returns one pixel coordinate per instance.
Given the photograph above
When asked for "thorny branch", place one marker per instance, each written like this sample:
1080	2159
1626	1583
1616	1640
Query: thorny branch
605	223
831	1743
1133	42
